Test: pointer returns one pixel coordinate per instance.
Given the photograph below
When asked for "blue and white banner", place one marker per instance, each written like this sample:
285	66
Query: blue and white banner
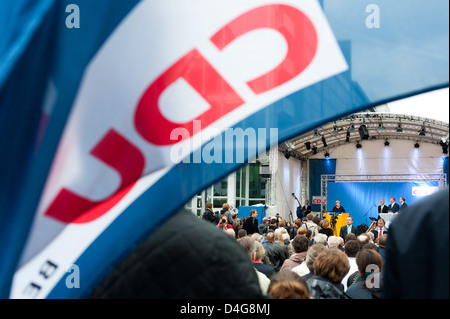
131	93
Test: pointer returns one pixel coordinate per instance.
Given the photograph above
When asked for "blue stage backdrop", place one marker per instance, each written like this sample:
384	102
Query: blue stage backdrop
358	198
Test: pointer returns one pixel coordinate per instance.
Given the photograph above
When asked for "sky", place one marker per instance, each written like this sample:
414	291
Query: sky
434	105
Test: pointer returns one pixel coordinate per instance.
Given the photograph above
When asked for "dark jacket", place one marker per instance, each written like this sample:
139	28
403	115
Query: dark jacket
322	288
417	268
277	254
181	259
251	225
209	216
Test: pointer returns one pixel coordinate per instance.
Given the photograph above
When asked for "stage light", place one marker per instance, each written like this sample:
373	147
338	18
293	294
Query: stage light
314	150
327	155
287	155
347	138
417	145
358	145
386	143
335	129
324	141
422	131
316	133
352	128
308	145
399	128
380	127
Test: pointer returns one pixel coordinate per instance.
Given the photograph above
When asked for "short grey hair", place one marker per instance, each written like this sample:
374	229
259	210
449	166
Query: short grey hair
312	254
333	242
320	239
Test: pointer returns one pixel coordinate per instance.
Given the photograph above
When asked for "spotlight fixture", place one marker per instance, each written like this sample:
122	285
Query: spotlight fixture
417	145
422	131
287	155
324	141
314	150
316	133
386	143
352	128
347	138
335	129
308	145
399	127
327	155
363	132
358	145
380	127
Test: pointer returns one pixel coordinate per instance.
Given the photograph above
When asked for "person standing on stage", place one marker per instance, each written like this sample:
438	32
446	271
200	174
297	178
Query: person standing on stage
403	205
338	208
349	228
382	209
393	207
306	208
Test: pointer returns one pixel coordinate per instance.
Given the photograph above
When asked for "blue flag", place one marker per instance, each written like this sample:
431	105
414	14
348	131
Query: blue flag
107	110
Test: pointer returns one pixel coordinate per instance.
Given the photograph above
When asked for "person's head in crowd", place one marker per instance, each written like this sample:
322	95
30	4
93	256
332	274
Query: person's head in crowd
282	223
287	284
270	237
297	222
231	233
382	240
273	221
234	215
309	217
325	223
333	242
316	220
363	239
279	236
392	200
320	239
350	236
370	246
249	246
332	265
380	223
286	238
242	233
367	260
265	220
308	233
209	206
351	248
314	251
225	206
371	236
260	251
301	231
257	237
300	243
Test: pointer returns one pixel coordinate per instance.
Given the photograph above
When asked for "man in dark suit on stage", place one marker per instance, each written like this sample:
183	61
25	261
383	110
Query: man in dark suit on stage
382	209
306	208
403	205
393	207
349	228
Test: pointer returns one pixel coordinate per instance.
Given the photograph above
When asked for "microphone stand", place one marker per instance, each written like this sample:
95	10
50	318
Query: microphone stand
365	215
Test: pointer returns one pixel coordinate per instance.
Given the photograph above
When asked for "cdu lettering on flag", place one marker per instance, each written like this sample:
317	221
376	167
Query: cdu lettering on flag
217	62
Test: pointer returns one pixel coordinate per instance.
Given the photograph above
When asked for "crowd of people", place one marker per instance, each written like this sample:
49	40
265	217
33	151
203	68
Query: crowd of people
307	260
